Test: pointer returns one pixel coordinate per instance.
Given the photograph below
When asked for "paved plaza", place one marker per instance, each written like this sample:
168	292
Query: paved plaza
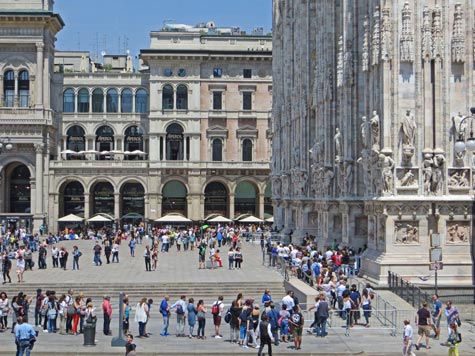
181	269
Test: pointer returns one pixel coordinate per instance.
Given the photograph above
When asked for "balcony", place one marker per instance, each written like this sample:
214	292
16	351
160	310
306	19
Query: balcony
80	164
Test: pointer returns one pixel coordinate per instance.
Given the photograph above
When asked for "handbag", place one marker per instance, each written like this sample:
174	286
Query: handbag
201	315
458	321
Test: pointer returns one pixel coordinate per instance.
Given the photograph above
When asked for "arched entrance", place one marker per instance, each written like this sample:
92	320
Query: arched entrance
19	189
245	199
175	143
174	198
103	198
216	199
73	199
132	202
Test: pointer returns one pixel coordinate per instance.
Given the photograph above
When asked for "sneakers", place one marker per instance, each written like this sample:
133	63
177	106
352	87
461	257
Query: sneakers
218	337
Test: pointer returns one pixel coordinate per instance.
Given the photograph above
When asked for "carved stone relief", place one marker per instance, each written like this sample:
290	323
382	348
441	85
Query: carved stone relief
375	38
458	35
365	45
386	35
459	178
437	34
407	178
426	33
407	35
457	232
406	232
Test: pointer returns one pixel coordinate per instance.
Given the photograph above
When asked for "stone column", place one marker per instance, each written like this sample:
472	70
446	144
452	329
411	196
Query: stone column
231	206
261	206
39	178
117	206
87	205
39	74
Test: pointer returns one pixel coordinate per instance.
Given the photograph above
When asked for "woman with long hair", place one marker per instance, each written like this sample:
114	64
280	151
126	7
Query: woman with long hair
141	316
201	319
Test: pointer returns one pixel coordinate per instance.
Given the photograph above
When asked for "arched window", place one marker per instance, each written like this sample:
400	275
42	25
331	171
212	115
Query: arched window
75	141
182	97
247	150
103	198
126	100
141	101
104	142
68	100
73	198
217	149
167	97
132	197
216	199
9	88
24	88
133	142
175	142
112	100
174	198
98	100
83	100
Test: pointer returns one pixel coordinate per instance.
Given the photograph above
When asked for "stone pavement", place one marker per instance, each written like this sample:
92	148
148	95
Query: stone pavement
181	269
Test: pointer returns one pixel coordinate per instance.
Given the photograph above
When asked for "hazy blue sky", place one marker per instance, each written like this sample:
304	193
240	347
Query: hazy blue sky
115	25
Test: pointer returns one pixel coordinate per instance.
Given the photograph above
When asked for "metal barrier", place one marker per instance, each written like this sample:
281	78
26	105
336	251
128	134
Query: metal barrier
277	262
406	290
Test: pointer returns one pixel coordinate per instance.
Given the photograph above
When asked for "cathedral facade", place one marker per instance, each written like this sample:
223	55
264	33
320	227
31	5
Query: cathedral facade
370	99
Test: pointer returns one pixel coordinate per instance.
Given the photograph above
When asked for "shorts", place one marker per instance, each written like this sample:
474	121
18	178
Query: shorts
436	322
202	258
423	330
217	319
296	331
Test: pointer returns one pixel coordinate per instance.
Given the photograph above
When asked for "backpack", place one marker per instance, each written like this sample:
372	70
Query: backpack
202	251
316	269
228	316
179	309
215	308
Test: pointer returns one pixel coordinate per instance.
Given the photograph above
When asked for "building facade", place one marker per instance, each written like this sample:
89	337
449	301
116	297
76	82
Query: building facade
186	132
370	97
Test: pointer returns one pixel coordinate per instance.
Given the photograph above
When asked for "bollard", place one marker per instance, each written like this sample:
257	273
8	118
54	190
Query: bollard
90	334
119	341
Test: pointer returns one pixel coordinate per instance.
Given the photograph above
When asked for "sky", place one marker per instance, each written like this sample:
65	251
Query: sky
114	26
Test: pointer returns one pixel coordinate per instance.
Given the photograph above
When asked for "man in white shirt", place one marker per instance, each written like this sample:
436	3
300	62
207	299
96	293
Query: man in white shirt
407	343
288	300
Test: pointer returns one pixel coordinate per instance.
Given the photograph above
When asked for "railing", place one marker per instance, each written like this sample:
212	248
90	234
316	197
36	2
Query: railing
277	262
406	290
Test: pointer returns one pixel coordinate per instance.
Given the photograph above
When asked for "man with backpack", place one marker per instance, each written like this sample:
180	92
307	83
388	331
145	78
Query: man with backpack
217	310
180	308
274	316
202	255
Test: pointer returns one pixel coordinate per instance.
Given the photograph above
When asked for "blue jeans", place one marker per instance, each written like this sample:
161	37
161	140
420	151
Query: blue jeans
97	259
321	326
51	322
166	321
141	328
25	347
75	262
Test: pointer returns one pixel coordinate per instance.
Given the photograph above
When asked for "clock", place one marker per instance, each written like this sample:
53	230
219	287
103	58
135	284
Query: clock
167	72
181	72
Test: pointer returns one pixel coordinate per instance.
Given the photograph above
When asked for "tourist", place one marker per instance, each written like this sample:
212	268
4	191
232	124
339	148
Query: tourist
107	251
38	306
284	323
231	258
322	314
55	256
97	254
453	340
217	311
130	346
366	305
76	255
4	310
24	335
115	250
51	313
191	316
238	258
451	314
147	254
297	321
202	255
201	315
154	258
141	316
423	321
436	314
76	315
407	339
165	311
265	335
234	322
107	312
6	267
180	308
242	318
62	311
132	244
20	267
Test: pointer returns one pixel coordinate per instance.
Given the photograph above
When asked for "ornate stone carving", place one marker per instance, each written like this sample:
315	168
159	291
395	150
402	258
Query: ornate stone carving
386	35
458	36
285	185
458	232
276	186
437	34
426	33
316	152
365	45
436	181
408	179
364	128
459	178
427	164
365	162
386	164
409	129
299	182
406	232
328	181
374	122
348	63
407	36
340	63
375	38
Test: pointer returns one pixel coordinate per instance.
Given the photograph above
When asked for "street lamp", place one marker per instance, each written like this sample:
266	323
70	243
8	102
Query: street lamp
460	144
5	144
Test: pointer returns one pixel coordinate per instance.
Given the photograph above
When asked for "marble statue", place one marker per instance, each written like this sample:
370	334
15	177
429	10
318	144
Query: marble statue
409	128
427	171
337	141
374	122
364	131
387	164
408	179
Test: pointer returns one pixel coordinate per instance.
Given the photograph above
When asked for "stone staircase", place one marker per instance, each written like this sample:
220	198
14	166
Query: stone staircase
206	291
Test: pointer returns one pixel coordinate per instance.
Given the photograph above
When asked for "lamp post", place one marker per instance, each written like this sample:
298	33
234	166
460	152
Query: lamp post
469	145
5	144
